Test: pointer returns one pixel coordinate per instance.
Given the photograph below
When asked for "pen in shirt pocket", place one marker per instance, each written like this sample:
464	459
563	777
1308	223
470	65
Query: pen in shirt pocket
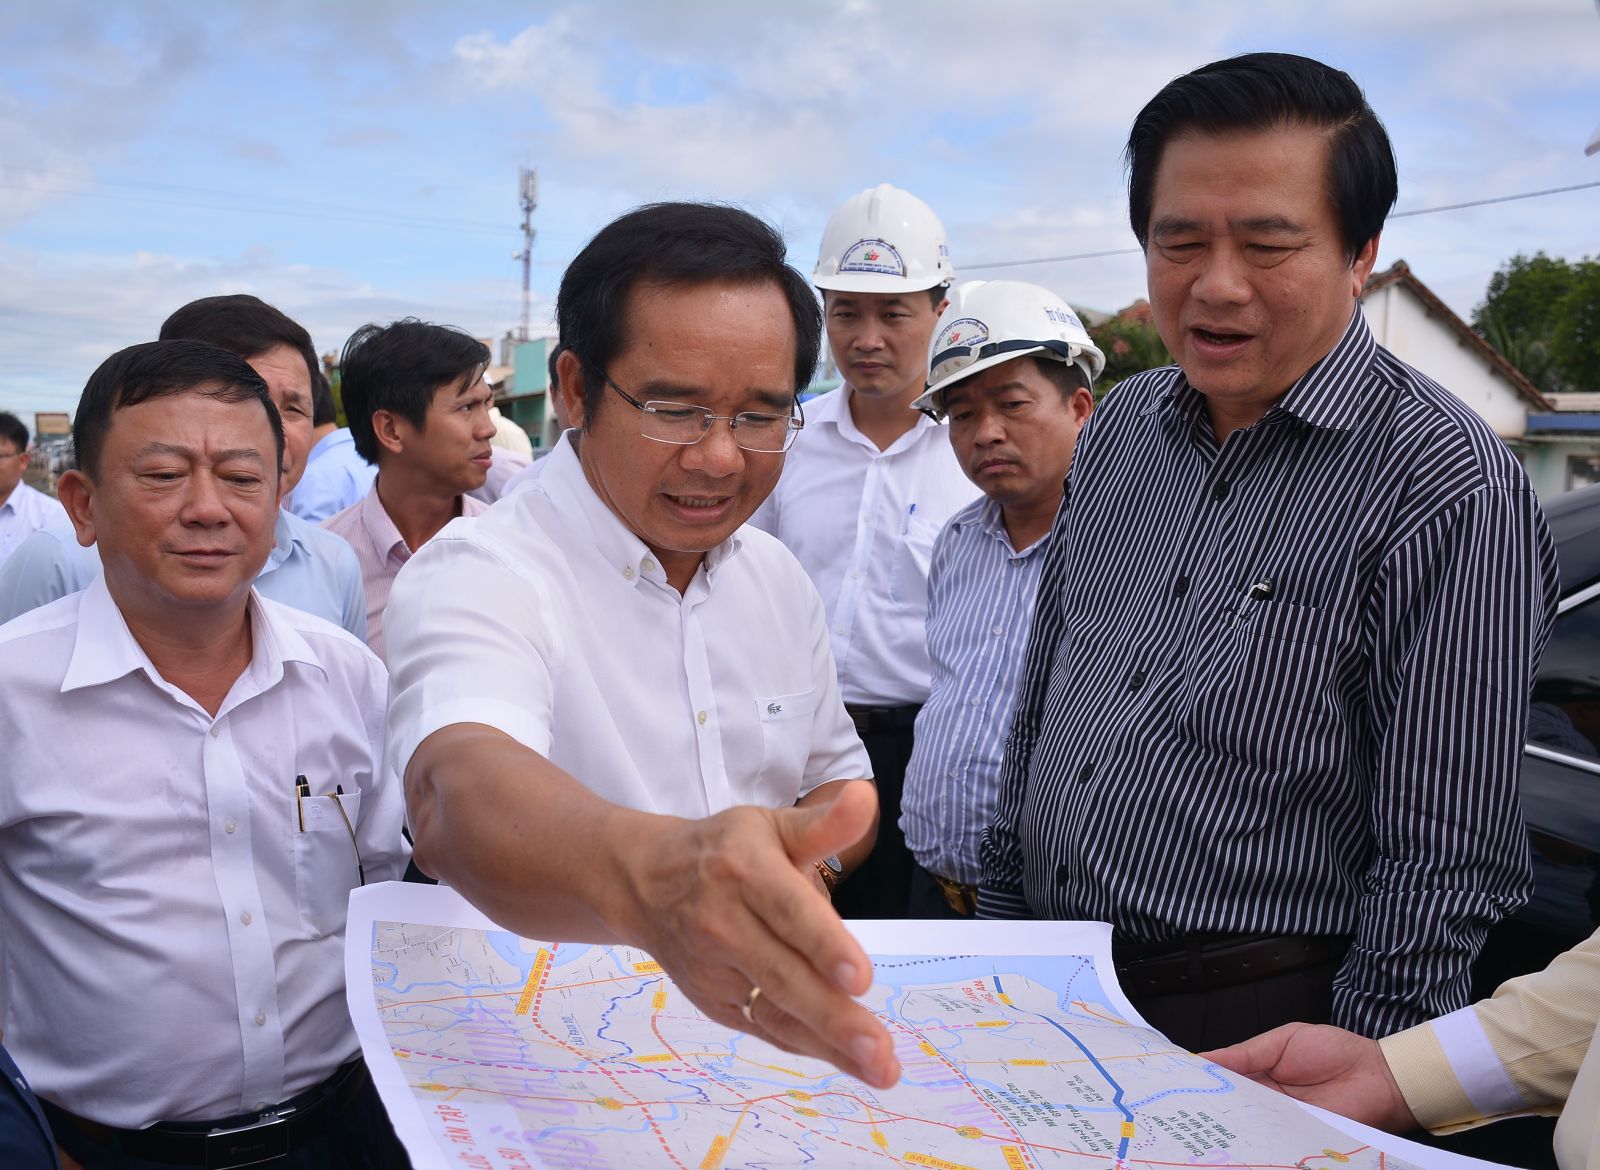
906	527
302	792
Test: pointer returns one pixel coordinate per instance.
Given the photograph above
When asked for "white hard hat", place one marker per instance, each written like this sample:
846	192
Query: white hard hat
993	321
883	240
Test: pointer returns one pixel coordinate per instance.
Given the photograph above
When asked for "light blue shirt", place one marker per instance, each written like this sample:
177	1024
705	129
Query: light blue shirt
312	570
980	607
335	477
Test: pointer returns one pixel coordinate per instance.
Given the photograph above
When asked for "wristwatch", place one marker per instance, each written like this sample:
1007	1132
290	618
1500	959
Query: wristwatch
832	871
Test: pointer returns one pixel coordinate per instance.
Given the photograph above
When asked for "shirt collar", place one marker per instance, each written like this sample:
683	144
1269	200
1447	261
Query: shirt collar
833	409
104	649
285	540
1323	397
381	530
569	489
990	519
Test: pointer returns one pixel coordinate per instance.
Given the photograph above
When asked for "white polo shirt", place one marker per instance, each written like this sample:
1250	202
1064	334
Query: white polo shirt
25	511
872	572
174	942
547	619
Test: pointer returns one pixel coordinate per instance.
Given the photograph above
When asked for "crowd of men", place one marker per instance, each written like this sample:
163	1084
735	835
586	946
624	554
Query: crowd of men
1237	660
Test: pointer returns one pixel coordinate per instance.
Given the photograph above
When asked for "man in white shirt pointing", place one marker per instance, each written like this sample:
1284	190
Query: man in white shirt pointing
615	708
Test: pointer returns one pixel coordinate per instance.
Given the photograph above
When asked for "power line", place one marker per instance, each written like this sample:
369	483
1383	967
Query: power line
1393	215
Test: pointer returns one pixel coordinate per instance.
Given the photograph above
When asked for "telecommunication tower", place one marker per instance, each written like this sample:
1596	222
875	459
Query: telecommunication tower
528	193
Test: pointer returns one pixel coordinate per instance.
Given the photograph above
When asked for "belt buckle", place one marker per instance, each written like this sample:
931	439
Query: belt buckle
262	1140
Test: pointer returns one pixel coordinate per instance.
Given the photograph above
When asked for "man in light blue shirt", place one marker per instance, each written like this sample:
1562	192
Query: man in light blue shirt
309	569
1010	369
336	475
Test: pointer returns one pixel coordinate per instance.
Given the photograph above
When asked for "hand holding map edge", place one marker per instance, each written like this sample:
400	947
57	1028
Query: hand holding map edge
1324	1066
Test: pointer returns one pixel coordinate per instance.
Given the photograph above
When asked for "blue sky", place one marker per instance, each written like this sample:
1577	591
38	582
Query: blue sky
357	160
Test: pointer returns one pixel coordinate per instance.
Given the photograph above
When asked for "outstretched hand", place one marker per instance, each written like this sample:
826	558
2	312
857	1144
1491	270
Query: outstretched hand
730	902
1325	1066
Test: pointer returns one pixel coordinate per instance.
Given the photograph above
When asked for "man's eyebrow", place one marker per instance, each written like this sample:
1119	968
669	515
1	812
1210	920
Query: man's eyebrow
1272	223
1171	225
778	400
159	448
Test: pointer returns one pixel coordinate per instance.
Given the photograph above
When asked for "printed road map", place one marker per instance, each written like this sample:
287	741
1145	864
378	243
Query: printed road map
496	1052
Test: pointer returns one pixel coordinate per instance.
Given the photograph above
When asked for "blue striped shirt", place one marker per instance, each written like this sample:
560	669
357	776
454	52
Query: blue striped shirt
1339	757
980	604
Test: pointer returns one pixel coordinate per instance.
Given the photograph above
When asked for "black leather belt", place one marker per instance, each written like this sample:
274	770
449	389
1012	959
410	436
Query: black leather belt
246	1140
1208	962
882	718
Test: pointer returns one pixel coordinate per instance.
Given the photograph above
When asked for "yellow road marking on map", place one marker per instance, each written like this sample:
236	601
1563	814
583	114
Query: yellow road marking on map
1127	1129
608	1103
1030	1062
714	1156
994	1023
655	1058
929	1049
969	1131
879	1140
647	968
541	961
1014	1158
797	1095
661	999
1005	999
936	1163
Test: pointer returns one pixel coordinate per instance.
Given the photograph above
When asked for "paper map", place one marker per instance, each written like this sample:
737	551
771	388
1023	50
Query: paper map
493	1051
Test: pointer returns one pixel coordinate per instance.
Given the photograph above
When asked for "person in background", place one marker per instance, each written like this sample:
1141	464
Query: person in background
418	408
867	488
1011	371
23	509
335	475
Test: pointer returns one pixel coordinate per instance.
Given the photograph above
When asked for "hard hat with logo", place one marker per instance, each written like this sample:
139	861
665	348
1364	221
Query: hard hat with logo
994	321
883	240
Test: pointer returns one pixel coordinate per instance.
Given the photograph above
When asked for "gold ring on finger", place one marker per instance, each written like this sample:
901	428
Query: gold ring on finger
747	1008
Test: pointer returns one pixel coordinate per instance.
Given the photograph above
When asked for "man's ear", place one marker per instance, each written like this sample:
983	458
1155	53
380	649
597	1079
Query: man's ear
569	380
75	490
386	429
1362	267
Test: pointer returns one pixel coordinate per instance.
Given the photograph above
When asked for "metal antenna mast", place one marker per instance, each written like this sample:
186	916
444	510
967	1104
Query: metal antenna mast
528	192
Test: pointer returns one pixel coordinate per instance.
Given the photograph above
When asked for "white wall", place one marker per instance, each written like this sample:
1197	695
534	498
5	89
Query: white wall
1403	326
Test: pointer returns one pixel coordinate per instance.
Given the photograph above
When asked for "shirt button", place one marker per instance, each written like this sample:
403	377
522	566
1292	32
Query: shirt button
649	565
1136	680
1085	773
1219	490
261	1019
955	773
230	826
215	731
627	573
700	717
998	630
976	700
246	917
855	574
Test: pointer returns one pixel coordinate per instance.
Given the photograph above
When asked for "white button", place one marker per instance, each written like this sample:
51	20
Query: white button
215	731
649	565
998	630
855	574
977	701
246	917
261	1019
627	573
230	826
955	773
701	716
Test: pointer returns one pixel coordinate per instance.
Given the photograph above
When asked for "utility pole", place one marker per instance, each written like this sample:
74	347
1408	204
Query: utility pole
528	191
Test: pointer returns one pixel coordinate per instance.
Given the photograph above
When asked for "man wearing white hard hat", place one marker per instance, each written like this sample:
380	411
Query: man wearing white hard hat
867	487
1010	373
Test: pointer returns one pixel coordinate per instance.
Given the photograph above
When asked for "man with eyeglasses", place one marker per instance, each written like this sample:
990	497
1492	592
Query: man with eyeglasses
616	708
23	509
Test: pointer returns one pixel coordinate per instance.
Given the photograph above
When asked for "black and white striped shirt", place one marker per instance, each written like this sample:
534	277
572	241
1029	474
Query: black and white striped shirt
1280	686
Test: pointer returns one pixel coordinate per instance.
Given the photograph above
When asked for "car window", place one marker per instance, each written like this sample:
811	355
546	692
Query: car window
1566	698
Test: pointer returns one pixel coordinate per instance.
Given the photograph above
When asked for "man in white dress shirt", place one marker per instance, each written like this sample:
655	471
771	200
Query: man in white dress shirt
866	489
195	781
23	509
616	709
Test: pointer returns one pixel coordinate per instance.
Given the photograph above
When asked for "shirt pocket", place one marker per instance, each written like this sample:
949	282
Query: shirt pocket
1271	699
786	733
913	553
325	869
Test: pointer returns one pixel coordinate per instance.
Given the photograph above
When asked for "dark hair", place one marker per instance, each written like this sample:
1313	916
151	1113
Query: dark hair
11	427
1264	91
241	324
324	410
937	295
1067	377
155	369
399	368
668	244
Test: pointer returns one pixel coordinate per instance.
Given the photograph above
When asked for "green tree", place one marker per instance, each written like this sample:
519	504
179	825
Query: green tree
1131	345
1543	314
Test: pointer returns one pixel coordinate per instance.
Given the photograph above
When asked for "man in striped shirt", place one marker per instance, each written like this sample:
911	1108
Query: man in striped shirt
1277	682
1010	369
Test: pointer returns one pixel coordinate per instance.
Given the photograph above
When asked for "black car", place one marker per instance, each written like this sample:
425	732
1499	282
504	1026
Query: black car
1561	763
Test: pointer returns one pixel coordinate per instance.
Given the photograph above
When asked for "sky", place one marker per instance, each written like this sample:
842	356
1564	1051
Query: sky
357	160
